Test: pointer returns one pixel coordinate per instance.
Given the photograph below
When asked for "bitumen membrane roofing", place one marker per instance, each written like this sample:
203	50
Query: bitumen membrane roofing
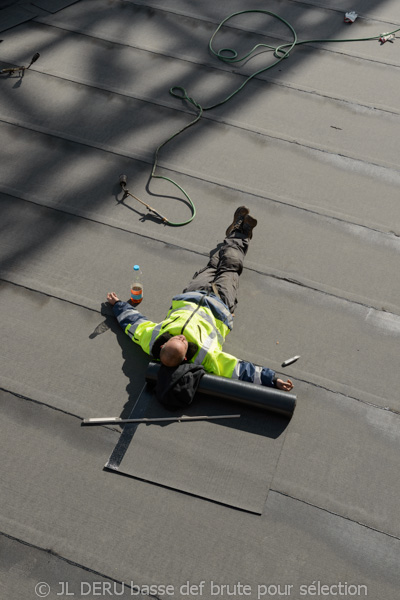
257	507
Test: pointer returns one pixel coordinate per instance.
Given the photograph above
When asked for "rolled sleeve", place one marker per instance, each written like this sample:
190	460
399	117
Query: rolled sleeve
247	371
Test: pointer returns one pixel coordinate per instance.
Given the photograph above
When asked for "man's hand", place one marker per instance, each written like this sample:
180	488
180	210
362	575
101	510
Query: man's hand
112	298
286	386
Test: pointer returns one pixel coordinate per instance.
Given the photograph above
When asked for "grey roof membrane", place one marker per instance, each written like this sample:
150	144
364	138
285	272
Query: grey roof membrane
312	148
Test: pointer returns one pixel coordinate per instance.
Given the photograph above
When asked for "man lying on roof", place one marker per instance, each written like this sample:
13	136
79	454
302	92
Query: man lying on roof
202	316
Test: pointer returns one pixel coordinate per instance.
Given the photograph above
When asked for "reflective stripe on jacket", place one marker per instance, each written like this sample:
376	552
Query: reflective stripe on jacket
203	319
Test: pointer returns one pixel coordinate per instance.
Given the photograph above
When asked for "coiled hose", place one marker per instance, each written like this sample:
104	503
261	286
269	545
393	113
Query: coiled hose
229	55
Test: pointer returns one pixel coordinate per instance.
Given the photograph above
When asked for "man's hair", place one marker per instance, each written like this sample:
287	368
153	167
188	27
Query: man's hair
170	356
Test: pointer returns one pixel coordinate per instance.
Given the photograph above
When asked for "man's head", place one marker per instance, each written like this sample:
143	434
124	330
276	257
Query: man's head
173	352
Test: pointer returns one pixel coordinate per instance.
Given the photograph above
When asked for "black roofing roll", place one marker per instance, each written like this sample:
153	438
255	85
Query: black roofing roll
242	392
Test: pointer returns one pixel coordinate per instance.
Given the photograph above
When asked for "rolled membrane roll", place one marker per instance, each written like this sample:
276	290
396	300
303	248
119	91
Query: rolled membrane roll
241	392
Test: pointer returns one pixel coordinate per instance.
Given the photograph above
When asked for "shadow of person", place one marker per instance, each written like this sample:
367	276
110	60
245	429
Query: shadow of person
135	361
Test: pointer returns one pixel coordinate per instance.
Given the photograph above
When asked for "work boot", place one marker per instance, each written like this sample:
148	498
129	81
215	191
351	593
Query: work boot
248	225
238	220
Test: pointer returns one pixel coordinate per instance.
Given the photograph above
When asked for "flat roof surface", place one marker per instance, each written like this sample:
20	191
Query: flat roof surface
311	146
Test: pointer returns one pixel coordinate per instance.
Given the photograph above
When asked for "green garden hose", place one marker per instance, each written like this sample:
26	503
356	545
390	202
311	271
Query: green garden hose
229	55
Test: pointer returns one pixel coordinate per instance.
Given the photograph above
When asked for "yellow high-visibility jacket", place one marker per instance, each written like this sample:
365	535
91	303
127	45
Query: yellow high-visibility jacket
205	321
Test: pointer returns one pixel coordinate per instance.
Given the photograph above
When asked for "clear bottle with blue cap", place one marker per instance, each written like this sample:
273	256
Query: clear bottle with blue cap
137	286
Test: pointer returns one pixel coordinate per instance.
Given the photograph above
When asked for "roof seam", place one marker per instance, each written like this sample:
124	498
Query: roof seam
271	275
157	102
322	387
50	406
142	158
208	20
335	514
67	560
286	279
209	64
261	133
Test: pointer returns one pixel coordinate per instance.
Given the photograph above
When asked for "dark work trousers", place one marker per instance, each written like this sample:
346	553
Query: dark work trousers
223	270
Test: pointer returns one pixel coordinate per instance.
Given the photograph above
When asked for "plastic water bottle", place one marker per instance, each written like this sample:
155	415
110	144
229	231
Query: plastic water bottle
137	286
